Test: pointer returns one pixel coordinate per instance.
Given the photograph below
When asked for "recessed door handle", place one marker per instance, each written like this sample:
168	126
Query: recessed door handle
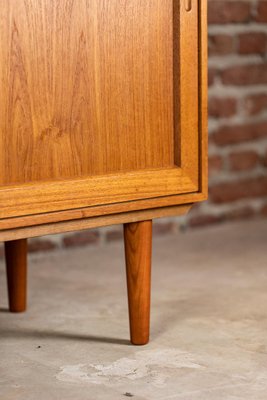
188	5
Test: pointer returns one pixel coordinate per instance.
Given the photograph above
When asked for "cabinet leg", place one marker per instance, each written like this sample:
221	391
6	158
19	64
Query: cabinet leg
16	267
138	244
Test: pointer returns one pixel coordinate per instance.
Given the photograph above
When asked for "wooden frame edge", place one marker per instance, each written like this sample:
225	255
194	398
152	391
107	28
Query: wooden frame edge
93	222
87	212
203	96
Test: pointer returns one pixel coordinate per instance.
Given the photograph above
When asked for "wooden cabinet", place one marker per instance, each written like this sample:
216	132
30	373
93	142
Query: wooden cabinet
102	121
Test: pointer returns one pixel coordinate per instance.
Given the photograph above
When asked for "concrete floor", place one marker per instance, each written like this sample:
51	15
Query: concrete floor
208	328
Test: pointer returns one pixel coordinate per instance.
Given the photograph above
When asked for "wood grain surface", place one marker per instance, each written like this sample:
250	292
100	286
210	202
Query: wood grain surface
46	228
106	189
86	88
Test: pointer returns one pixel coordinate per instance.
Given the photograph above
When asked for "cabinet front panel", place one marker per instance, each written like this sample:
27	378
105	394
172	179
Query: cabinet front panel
101	104
86	88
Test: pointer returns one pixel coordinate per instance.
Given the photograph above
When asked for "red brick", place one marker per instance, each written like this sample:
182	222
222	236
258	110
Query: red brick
264	159
81	239
220	44
264	210
245	75
215	164
239	133
223	12
243	160
255	104
252	43
222	107
262	11
36	245
232	191
211	76
203	220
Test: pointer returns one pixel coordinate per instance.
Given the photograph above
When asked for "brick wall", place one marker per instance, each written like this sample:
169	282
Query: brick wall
237	112
237	126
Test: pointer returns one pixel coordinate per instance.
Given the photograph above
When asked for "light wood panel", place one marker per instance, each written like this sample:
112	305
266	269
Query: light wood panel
86	88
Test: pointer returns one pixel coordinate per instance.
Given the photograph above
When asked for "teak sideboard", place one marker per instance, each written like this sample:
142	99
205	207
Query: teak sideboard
103	120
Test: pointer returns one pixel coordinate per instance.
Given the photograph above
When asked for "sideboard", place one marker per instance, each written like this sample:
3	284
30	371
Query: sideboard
103	120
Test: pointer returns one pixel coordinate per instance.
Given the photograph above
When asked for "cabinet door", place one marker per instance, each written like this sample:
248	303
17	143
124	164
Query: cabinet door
100	103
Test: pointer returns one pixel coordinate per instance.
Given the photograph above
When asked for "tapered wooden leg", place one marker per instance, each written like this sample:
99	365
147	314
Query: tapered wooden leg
138	243
16	267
